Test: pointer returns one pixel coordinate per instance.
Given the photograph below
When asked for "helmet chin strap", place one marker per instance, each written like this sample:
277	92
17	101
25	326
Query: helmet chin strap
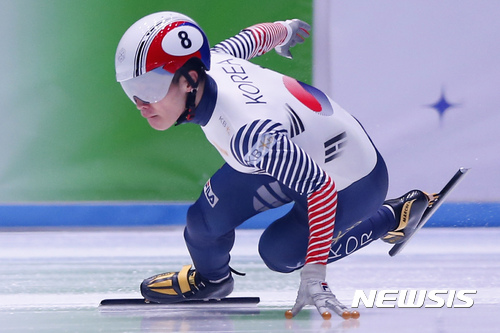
188	113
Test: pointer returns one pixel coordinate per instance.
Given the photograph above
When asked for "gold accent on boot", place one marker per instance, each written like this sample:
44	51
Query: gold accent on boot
393	236
182	278
405	215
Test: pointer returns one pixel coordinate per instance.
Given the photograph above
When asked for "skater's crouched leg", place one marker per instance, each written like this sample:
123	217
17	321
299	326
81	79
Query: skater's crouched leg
208	244
283	245
209	278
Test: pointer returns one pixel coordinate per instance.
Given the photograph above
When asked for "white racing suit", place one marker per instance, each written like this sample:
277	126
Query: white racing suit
283	141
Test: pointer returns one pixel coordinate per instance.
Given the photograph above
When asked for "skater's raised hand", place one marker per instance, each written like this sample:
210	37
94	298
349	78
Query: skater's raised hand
298	31
314	290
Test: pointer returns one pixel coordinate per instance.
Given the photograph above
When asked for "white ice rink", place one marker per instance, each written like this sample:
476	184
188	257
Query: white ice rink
53	281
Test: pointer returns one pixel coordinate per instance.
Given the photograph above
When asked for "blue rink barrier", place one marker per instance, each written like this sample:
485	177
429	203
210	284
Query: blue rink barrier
99	214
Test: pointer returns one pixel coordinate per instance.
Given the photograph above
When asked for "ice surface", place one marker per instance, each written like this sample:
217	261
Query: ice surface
53	281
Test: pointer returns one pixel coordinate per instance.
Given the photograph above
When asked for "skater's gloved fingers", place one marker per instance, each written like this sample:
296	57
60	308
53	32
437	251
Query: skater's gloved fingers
303	25
299	27
284	52
303	299
299	305
301	31
333	305
324	303
324	311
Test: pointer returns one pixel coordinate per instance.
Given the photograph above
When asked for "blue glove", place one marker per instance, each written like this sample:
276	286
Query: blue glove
298	31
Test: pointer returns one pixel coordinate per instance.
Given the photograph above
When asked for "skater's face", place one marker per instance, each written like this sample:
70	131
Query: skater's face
164	113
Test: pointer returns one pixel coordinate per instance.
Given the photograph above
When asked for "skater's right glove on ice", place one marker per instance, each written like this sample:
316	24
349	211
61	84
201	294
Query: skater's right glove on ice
314	290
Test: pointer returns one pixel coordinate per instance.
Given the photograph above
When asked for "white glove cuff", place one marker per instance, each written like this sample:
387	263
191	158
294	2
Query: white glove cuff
289	33
313	271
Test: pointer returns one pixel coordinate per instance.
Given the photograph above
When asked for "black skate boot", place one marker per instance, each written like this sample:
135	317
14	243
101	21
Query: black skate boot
408	210
185	285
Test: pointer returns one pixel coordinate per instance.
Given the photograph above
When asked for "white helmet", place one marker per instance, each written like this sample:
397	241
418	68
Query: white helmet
153	49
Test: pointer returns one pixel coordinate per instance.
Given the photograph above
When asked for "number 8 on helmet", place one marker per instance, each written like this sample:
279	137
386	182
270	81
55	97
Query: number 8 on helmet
153	49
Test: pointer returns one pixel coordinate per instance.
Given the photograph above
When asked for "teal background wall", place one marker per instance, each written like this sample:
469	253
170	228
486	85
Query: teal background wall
69	133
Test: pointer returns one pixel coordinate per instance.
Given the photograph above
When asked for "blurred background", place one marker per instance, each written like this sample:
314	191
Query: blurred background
422	76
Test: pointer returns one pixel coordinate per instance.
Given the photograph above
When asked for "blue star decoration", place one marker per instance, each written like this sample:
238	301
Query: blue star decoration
442	105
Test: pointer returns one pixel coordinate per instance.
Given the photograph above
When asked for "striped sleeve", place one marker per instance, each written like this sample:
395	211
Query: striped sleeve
254	41
265	144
